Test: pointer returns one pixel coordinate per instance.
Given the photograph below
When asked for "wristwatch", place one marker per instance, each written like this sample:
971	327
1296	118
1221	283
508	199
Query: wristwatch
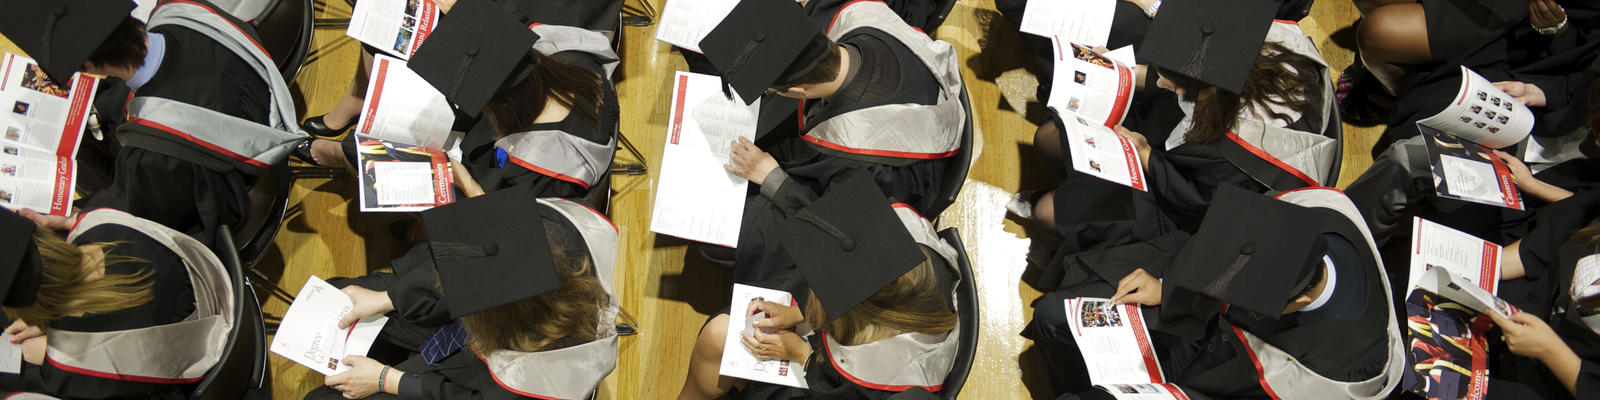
1151	12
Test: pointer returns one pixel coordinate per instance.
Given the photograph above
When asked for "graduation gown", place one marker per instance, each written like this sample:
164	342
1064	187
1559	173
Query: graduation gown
1493	38
214	116
566	373
559	159
899	117
886	367
107	355
1352	347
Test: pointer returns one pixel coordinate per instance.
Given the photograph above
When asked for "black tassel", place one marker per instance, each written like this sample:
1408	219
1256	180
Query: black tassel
1220	286
845	242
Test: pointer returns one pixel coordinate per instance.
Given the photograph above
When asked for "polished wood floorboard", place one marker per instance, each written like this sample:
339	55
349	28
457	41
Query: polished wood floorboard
671	292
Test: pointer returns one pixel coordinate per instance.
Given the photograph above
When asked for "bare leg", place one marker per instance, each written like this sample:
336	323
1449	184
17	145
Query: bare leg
349	106
1044	211
1047	144
704	381
1390	37
328	153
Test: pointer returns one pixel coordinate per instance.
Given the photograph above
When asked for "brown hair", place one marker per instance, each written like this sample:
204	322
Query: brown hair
125	47
65	288
1590	233
1279	76
566	317
916	302
826	70
579	90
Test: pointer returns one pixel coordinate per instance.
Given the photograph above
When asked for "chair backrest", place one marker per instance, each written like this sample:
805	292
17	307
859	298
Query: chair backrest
269	199
967	311
945	6
243	361
1335	130
285	28
955	174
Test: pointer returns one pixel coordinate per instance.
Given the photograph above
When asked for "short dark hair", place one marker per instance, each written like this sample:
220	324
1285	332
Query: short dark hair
827	70
125	47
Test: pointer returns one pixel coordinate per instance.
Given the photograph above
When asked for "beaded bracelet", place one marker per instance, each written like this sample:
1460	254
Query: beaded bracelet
1550	31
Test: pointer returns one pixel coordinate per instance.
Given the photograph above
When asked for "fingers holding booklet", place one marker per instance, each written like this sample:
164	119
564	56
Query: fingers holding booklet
310	333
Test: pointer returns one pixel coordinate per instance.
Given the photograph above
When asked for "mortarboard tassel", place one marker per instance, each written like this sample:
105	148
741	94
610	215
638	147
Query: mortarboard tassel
845	242
49	29
448	252
1220	285
461	72
1196	66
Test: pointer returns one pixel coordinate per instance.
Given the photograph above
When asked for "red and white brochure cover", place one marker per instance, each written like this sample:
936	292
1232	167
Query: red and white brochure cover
1099	151
1117	350
396	27
1437	246
39	146
1091	85
399	177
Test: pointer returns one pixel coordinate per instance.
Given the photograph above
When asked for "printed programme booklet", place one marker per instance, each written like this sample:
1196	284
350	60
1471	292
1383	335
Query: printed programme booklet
403	141
309	333
39	146
737	360
1117	350
696	198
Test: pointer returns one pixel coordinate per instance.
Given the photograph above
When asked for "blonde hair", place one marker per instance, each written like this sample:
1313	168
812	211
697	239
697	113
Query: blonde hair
65	288
916	302
566	317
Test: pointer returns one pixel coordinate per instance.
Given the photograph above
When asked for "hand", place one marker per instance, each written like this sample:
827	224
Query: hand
444	5
33	350
464	181
778	316
748	161
1528	336
366	303
51	222
784	345
1546	14
21	331
1519	171
360	380
1138	287
1527	93
1139	143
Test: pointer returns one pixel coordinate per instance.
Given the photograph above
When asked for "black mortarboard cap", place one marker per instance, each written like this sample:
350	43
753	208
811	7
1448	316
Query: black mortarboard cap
479	48
20	265
490	250
61	34
849	244
1213	41
1251	251
764	43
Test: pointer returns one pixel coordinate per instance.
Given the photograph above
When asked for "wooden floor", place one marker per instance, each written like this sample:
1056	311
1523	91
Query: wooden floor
671	293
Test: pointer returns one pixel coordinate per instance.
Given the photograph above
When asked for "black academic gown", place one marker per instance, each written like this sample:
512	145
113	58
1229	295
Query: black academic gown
173	301
1493	38
887	73
175	182
420	310
1344	340
823	380
1549	255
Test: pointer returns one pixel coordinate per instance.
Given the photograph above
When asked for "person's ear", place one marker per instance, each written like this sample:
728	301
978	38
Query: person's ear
796	91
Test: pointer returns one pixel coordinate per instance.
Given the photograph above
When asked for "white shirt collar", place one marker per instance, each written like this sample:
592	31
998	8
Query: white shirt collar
1327	290
155	50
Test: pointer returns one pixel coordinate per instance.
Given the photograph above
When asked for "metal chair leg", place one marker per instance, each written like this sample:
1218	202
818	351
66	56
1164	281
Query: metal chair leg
259	280
644	14
639	168
330	23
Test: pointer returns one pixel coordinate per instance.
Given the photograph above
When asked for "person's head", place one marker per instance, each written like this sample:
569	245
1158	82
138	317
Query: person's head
562	318
124	50
1279	77
916	302
821	81
1319	283
73	282
579	90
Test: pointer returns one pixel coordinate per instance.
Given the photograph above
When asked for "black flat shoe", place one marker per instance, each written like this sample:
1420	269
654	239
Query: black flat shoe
319	129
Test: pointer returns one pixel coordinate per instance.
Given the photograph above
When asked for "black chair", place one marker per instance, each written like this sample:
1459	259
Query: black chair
955	173
945	7
285	30
967	311
243	366
1335	130
269	201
